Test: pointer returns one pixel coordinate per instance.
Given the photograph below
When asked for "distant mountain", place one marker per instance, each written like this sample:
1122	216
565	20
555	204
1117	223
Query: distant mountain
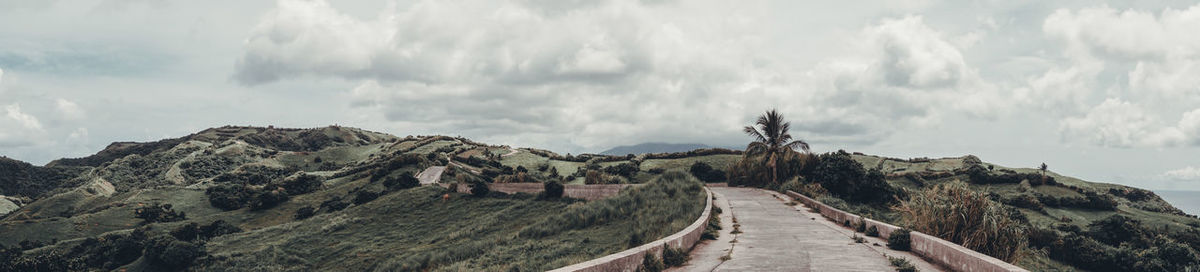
652	148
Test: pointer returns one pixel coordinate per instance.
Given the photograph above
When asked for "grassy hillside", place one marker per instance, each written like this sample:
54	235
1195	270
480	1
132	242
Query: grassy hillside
1065	219
252	198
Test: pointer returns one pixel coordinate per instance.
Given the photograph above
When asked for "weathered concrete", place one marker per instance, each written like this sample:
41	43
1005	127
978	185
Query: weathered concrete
630	259
431	175
777	237
954	256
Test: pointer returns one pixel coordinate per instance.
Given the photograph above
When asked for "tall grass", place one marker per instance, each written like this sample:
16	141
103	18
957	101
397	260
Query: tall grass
954	212
663	206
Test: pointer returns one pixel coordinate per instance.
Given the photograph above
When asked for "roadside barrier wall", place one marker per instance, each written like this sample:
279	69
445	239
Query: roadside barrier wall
946	253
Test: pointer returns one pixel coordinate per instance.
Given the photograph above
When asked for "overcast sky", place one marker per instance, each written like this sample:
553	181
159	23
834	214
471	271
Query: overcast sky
1106	92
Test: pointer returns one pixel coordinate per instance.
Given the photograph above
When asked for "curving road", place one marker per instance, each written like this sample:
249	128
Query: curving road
778	237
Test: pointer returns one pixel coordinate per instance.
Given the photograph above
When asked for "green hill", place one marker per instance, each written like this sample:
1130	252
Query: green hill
253	198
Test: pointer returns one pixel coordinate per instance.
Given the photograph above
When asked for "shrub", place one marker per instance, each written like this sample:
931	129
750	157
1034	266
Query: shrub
900	240
480	189
795	185
706	173
842	176
957	214
305	213
552	190
364	195
229	196
673	256
218	228
518	177
334	204
1116	229
625	169
302	184
187	232
193	232
268	199
405	181
872	231
651	263
902	264
158	213
166	252
712	231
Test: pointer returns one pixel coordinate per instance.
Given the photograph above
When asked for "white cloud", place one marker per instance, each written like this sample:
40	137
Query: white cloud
1162	48
68	110
612	72
1117	123
18	128
1184	174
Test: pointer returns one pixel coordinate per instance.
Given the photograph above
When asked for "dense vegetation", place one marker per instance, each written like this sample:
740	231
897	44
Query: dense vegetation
22	179
1033	218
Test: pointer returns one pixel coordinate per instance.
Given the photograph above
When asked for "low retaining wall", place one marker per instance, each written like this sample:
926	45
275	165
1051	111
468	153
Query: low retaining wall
943	252
580	191
630	259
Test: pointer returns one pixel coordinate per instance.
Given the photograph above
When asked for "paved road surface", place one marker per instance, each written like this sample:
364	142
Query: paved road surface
431	175
778	237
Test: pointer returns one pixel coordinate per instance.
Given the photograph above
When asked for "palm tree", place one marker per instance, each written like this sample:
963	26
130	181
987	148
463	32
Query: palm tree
771	138
1043	168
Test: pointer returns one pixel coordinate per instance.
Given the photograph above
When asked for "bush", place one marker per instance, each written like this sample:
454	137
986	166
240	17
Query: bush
872	231
218	228
166	252
194	232
902	264
954	212
712	231
843	177
625	169
552	190
229	196
305	213
364	195
268	199
673	256
158	213
480	189
706	173
900	240
651	263
1117	229
405	181
334	204
302	184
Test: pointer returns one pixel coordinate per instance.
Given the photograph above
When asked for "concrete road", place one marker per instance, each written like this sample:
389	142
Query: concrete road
778	237
431	175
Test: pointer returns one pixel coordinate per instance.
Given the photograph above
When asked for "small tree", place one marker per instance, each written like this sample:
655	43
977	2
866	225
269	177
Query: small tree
480	189
1043	168
553	190
772	140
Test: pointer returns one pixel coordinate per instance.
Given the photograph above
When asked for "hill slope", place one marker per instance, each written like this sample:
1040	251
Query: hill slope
644	148
331	198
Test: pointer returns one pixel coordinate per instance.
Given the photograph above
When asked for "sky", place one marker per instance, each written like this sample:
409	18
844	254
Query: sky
1107	92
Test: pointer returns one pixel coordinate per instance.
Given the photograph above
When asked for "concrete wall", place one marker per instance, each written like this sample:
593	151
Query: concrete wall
580	191
951	255
630	259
